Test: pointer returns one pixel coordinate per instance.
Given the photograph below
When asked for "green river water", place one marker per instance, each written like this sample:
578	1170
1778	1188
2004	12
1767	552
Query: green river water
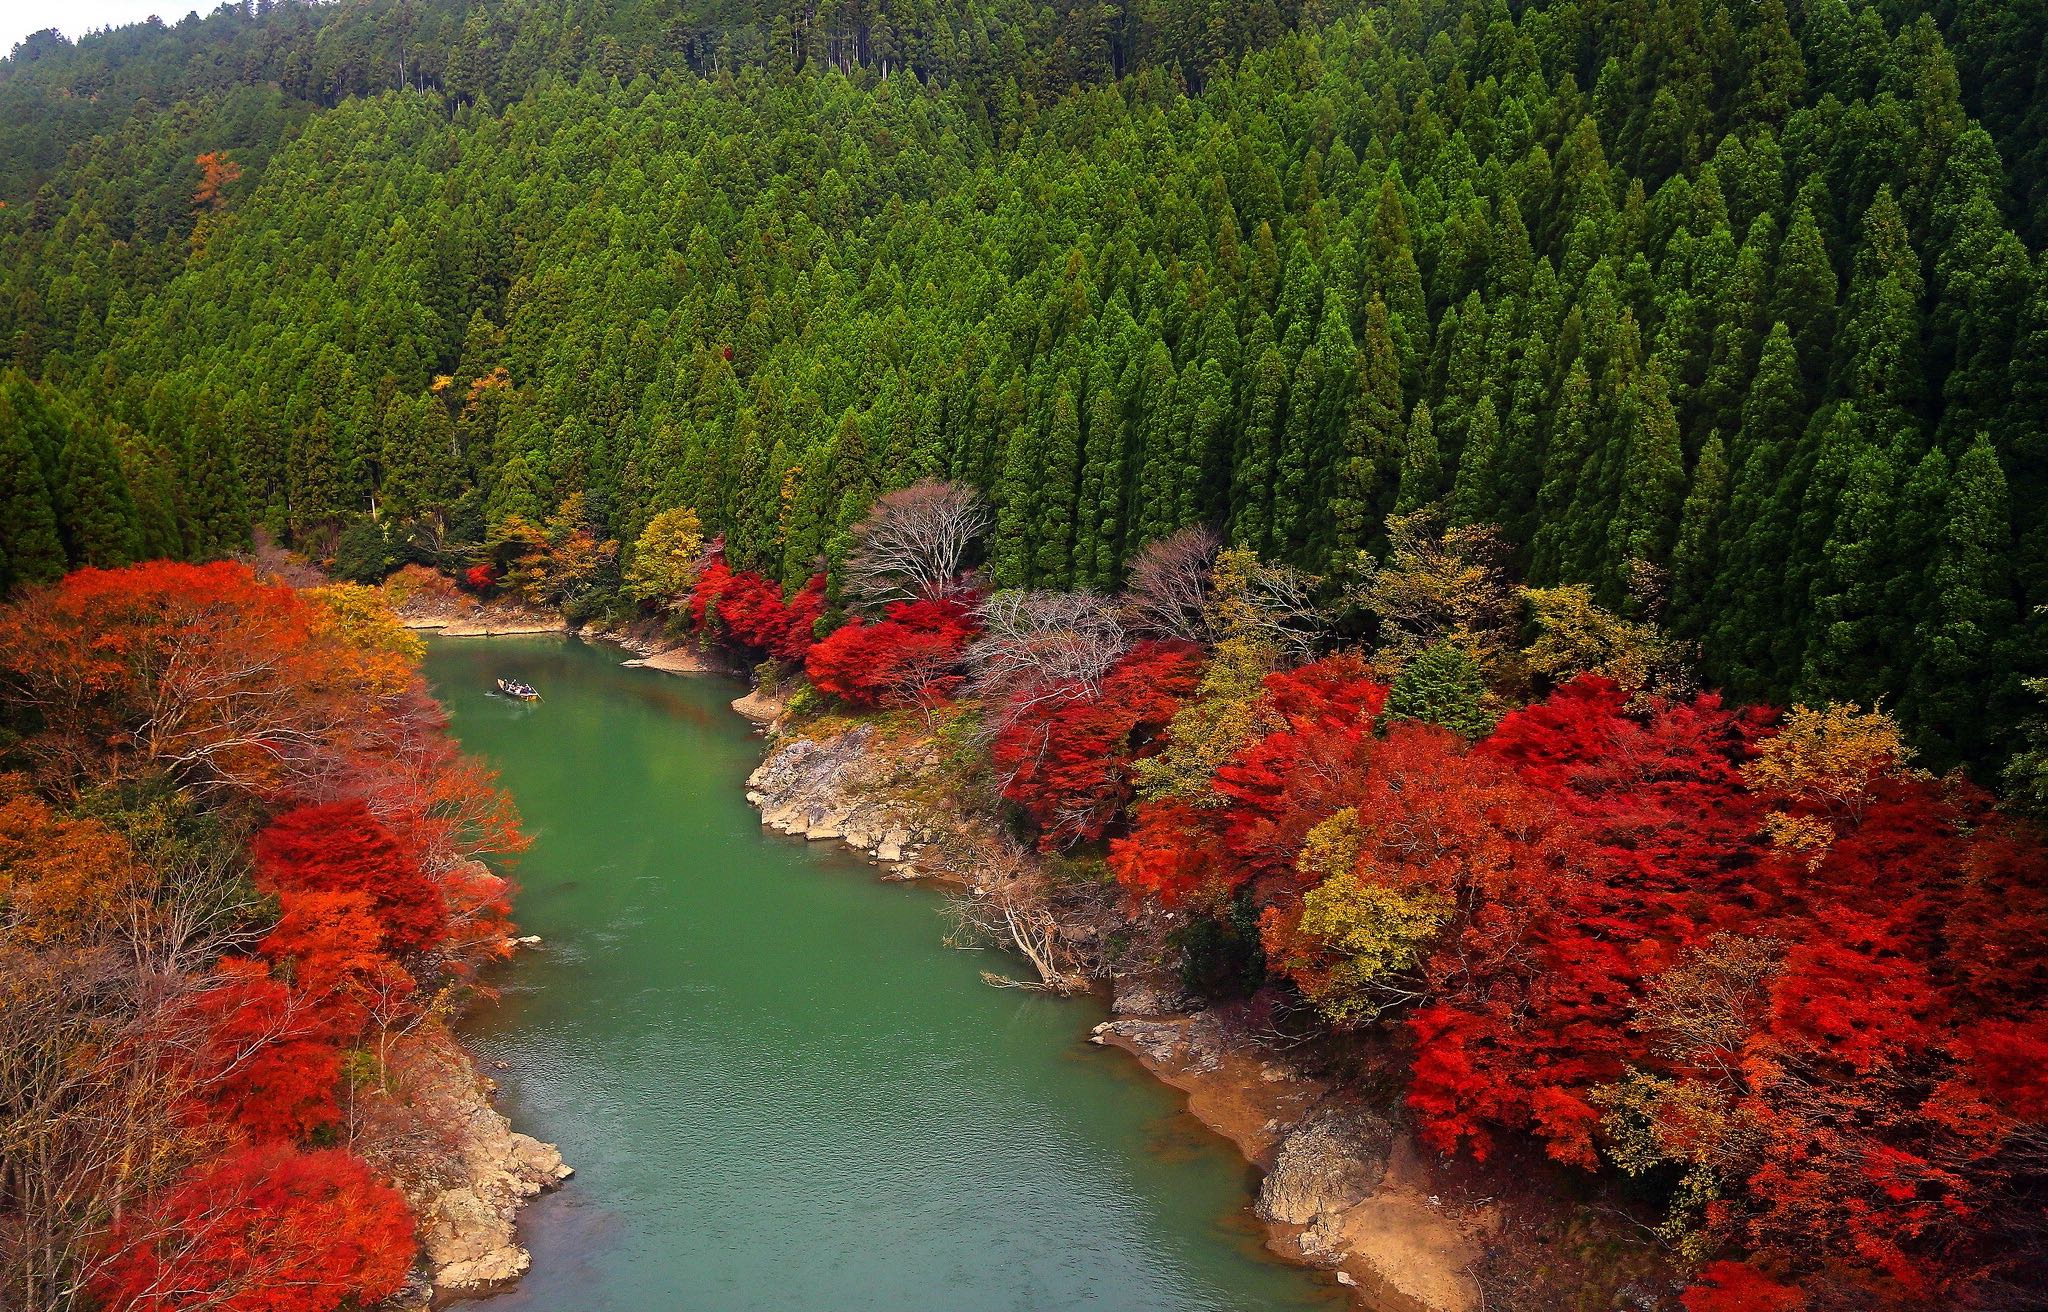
778	1088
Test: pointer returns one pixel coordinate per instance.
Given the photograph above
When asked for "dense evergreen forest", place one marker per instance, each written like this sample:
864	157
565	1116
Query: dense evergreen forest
1728	310
1311	466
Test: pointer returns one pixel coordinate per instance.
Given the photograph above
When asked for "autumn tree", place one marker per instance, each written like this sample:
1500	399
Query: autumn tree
1166	589
666	559
913	544
216	173
912	656
272	1229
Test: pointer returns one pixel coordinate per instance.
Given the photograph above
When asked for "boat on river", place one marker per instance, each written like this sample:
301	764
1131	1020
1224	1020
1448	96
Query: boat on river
518	691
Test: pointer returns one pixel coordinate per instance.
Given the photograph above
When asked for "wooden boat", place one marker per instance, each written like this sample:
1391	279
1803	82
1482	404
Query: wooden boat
513	688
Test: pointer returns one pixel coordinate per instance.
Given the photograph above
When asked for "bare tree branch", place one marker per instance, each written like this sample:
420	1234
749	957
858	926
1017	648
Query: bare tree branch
913	544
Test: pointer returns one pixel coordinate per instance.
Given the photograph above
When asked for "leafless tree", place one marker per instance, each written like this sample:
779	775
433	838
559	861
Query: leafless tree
1009	907
1166	594
1044	646
914	542
1279	601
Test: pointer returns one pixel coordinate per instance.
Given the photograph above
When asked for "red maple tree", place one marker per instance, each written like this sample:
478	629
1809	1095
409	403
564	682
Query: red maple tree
910	657
263	1229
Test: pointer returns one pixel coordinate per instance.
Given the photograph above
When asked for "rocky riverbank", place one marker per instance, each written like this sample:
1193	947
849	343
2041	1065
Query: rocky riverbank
1345	1188
463	1169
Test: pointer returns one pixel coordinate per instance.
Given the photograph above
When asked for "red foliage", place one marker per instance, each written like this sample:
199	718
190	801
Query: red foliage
2006	1059
1737	1287
793	634
262	1229
711	583
266	1061
480	578
910	657
1869	1026
342	848
199	670
1068	760
1171	852
242	693
327	944
1279	786
749	610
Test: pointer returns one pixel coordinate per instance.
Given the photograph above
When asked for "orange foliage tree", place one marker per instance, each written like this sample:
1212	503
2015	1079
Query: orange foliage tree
263	1229
200	671
216	173
167	712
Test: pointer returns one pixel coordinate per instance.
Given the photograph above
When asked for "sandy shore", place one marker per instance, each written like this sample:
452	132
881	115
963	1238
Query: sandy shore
486	628
684	658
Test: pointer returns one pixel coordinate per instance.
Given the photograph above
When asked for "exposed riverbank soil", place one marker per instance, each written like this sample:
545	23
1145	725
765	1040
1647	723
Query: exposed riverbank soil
1346	1186
455	614
452	614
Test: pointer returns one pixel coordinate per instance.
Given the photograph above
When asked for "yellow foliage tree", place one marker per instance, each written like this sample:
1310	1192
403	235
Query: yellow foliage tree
1229	706
1822	764
362	618
1441	586
666	558
1578	636
1373	932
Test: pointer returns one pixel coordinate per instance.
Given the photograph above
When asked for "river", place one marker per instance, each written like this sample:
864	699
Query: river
778	1088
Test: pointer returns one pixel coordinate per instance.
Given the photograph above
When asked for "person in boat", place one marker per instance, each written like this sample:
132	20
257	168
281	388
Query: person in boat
514	688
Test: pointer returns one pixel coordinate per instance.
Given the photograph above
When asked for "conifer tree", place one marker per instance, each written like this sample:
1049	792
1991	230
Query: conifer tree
1803	292
1774	81
1163	450
30	551
1099	509
1751	609
1566	462
1653	481
1051	529
1442	685
1968	606
1422	466
1473	497
1016	498
1852	645
1696	553
1371	438
1205	458
96	514
1736	330
1295	464
1880	350
1252	470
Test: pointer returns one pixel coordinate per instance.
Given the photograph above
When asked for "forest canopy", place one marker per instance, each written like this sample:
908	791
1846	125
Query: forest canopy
1727	312
1273	430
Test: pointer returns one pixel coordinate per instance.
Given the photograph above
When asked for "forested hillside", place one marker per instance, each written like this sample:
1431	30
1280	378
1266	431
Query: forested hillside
1719	308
